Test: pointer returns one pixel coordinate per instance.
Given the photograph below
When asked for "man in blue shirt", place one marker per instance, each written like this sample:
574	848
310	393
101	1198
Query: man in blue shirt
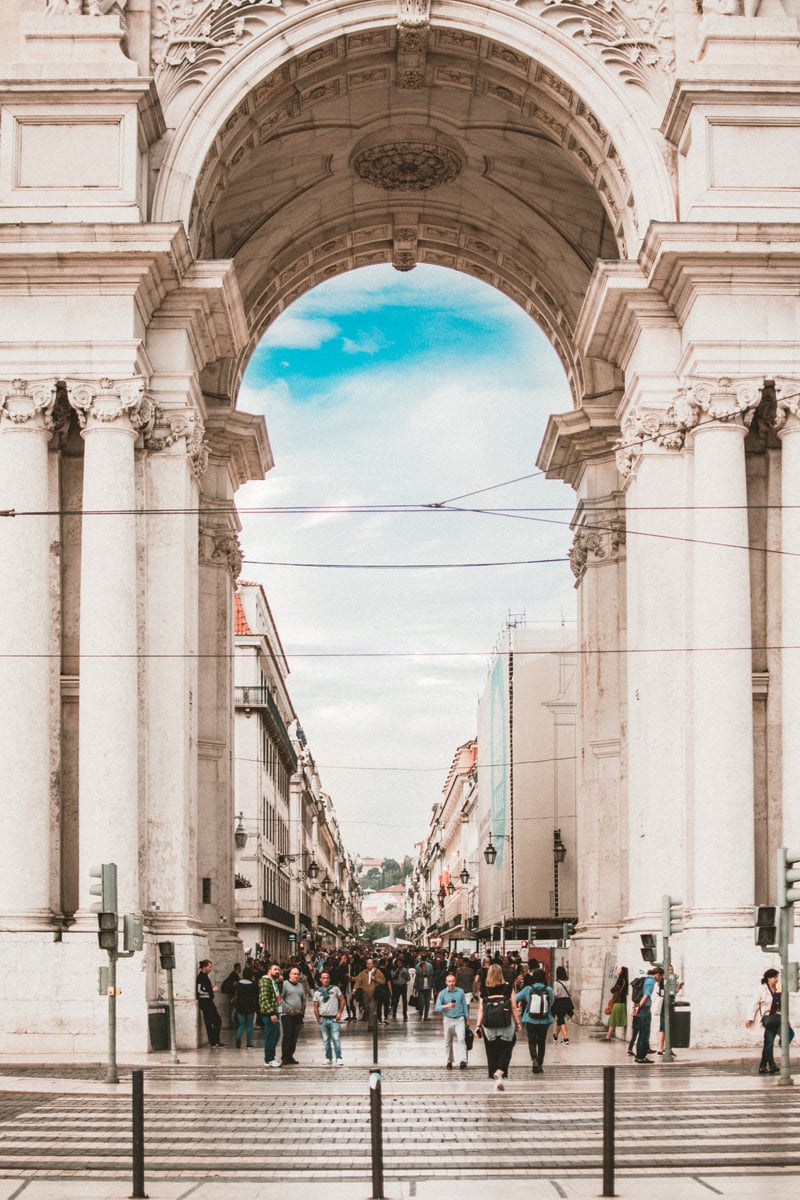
452	1004
644	1011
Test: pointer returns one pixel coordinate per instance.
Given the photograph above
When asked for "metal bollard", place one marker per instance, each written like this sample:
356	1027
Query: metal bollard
375	1043
608	1131
376	1130
137	1098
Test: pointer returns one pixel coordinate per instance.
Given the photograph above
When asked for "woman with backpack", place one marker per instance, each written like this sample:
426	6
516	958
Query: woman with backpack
498	1024
536	1003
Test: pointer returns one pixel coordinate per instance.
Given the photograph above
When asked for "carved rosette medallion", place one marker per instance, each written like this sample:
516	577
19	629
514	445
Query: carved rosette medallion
414	166
599	542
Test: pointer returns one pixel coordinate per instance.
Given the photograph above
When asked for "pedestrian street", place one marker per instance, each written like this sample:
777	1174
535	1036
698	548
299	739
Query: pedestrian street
221	1114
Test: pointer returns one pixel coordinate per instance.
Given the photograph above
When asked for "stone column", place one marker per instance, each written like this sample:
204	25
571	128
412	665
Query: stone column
26	675
789	434
175	461
109	667
721	811
657	718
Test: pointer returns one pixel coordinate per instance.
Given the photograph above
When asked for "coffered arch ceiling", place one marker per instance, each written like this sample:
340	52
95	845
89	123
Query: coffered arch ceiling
415	145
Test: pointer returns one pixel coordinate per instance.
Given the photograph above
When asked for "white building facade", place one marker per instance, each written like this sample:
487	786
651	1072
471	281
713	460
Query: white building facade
172	176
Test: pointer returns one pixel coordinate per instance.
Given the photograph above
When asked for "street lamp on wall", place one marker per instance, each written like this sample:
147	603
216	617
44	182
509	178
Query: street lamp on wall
559	854
240	834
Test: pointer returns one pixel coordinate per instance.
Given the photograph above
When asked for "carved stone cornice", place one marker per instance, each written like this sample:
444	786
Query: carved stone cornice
642	426
31	404
599	540
169	427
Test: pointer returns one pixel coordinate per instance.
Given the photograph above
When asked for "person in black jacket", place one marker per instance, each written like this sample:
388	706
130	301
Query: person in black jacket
205	998
245	999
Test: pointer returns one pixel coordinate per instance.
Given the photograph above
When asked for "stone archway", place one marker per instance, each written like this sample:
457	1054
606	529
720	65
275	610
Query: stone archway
610	167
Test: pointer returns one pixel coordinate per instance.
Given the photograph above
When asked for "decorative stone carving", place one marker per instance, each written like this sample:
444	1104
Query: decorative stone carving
91	8
633	37
404	249
408	166
108	400
597	542
22	403
219	545
169	428
696	401
787	398
185	32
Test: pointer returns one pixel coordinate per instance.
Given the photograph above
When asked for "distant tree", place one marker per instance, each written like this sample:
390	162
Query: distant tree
373	931
408	867
374	879
392	872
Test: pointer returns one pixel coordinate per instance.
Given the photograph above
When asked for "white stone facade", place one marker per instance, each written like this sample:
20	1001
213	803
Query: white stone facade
172	176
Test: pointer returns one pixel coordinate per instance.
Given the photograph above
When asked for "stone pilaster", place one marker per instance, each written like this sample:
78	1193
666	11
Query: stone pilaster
26	667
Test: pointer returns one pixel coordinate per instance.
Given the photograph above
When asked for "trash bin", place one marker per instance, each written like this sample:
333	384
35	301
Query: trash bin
158	1024
681	1025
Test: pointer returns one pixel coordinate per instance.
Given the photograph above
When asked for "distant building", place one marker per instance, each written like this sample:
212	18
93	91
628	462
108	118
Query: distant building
526	787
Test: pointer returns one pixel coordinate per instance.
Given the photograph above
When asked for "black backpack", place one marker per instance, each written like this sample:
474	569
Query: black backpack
637	987
496	1012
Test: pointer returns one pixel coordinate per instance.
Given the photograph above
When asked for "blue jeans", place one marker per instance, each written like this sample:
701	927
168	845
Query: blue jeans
331	1041
272	1031
245	1022
768	1051
645	1021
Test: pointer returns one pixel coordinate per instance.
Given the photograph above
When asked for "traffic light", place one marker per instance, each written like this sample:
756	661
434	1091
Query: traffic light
788	876
671	916
107	930
166	952
105	888
648	946
766	926
568	930
133	931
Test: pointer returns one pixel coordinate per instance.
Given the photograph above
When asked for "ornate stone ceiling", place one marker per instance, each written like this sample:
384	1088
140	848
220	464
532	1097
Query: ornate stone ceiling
415	145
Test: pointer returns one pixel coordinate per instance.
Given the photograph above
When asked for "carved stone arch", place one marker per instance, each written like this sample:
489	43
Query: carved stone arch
600	96
500	145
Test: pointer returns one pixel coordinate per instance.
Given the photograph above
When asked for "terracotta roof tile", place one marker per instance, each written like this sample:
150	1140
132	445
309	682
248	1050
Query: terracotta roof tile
240	625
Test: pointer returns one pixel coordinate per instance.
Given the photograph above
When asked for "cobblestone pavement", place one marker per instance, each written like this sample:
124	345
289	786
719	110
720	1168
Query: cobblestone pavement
221	1115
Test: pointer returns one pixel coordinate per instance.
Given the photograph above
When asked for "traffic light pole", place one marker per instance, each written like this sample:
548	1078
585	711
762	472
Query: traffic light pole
111	1068
785	934
667	1005
173	1043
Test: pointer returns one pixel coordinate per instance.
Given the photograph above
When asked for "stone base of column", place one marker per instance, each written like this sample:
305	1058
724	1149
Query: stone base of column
32	920
591	954
70	1017
716	959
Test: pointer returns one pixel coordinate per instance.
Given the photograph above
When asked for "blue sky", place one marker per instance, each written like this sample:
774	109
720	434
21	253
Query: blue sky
383	389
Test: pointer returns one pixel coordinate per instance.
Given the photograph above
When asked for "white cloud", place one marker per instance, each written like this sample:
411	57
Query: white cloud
412	434
293	331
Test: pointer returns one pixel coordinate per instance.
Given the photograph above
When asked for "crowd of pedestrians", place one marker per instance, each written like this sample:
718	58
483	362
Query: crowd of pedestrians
512	998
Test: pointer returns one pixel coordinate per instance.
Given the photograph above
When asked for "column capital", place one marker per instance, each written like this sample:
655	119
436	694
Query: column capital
168	427
697	403
787	406
219	541
31	404
703	401
103	402
599	538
